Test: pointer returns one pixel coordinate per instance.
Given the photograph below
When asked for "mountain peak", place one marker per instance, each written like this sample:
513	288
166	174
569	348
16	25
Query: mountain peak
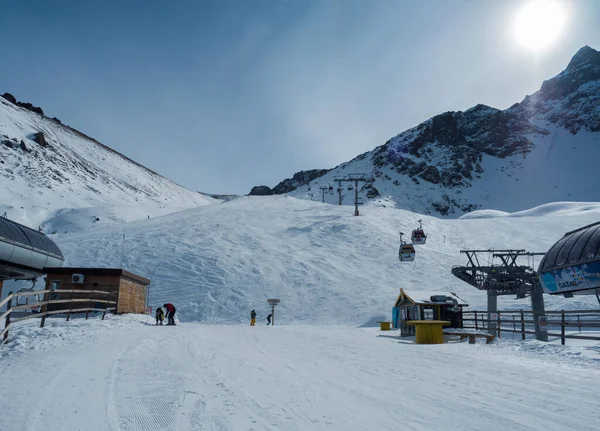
585	55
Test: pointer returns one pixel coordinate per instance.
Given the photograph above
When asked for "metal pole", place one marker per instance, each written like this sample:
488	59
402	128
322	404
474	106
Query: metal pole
273	314
356	213
538	310
562	327
7	320
492	307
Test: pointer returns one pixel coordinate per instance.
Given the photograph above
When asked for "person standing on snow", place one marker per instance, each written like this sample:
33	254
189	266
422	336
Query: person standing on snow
160	316
269	319
170	313
252	318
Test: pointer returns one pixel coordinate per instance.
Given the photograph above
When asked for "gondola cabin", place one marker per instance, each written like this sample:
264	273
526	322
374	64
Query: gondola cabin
419	305
406	253
418	237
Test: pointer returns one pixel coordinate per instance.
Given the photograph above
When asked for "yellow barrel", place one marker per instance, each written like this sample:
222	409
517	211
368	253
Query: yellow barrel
429	331
385	326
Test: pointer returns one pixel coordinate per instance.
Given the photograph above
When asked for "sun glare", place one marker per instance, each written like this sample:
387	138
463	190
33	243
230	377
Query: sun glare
539	23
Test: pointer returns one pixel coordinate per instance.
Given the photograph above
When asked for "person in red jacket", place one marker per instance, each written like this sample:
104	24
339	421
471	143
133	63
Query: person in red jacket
170	313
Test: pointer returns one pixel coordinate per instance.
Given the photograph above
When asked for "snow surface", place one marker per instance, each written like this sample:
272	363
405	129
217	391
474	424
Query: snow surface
217	262
75	172
122	374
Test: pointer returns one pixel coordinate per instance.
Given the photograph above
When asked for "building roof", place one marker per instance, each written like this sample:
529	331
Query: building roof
98	271
574	248
22	236
420	297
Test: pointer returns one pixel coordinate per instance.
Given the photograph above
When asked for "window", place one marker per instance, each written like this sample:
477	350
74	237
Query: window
427	314
55	286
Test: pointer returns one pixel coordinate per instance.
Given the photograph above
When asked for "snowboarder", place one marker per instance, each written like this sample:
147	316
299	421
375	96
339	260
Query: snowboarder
269	319
160	316
252	318
170	313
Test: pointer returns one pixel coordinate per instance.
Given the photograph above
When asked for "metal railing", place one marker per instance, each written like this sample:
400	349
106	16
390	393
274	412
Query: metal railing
563	324
64	306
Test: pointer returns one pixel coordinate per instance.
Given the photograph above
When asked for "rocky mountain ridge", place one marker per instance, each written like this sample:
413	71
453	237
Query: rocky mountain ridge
446	164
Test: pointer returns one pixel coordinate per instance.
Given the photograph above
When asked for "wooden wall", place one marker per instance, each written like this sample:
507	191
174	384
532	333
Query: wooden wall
132	297
129	294
106	283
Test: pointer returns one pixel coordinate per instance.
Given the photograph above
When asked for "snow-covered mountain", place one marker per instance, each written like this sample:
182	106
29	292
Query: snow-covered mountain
544	149
48	170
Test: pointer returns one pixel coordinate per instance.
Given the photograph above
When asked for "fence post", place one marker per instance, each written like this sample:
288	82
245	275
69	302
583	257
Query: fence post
7	320
499	325
70	305
88	306
476	321
522	325
514	327
579	323
562	327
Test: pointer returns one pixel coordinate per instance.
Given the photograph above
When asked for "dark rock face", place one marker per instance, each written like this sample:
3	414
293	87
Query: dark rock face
299	179
39	139
10	98
24	147
290	184
461	138
260	191
31	107
25	105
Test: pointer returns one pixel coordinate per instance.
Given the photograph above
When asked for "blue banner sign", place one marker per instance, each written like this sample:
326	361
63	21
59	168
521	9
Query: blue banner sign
572	278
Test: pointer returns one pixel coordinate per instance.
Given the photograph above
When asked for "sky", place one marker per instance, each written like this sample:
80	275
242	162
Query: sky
222	95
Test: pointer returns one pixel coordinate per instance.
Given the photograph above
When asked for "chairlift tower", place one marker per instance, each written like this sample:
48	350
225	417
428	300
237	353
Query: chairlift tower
323	190
509	278
340	189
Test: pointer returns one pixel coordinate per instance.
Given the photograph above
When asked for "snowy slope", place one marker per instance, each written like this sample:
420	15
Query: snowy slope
123	375
73	171
218	262
544	149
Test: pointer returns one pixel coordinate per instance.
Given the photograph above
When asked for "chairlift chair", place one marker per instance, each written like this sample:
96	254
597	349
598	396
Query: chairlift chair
406	253
350	187
418	236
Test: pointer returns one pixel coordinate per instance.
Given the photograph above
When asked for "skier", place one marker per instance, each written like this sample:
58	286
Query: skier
269	319
170	313
160	316
252	318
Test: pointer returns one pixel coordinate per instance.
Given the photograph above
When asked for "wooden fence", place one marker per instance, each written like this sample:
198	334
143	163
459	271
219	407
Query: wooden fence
562	324
65	306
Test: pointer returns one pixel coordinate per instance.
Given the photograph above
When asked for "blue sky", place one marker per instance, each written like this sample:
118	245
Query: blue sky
221	95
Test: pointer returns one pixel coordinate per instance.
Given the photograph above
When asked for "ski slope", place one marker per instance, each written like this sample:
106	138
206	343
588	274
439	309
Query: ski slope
122	374
217	262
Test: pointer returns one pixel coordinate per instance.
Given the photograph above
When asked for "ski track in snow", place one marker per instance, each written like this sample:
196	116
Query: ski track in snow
135	377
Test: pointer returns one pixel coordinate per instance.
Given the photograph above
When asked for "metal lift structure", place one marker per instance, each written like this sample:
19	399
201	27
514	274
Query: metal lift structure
510	277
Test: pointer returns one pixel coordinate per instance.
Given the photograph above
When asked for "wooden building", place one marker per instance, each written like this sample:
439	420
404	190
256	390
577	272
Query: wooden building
128	290
419	305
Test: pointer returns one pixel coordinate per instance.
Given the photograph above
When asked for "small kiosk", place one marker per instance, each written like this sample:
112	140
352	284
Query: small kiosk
421	305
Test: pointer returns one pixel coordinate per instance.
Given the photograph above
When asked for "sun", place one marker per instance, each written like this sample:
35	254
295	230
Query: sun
539	23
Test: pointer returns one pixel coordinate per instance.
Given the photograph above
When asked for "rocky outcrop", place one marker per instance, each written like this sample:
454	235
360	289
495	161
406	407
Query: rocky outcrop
26	105
290	184
39	139
260	191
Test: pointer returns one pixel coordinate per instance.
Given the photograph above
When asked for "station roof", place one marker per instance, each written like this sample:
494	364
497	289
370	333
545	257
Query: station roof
97	271
419	297
17	234
574	248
